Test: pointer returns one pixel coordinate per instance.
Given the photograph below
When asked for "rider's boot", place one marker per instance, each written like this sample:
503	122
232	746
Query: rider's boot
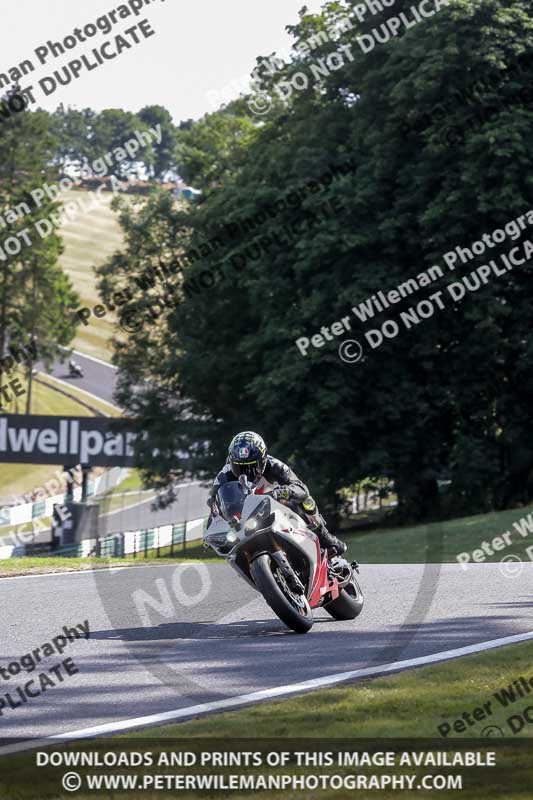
327	541
331	543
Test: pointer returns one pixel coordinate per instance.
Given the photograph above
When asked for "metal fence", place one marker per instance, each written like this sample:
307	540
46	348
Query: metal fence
165	541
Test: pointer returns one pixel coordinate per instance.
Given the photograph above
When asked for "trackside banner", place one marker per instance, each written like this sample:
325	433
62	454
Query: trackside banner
92	441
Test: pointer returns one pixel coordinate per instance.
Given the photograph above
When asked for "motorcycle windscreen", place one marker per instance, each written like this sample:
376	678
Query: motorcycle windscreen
230	499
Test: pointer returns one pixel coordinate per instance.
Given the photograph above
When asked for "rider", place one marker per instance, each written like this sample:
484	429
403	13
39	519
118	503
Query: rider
248	456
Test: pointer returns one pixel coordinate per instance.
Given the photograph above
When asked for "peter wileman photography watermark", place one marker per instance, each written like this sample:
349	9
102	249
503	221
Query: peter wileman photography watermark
133	315
88	61
392	26
511	565
352	351
100	167
19	695
261	102
21	357
503	698
476	97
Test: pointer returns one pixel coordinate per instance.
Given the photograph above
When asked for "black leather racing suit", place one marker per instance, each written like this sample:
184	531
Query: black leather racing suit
276	472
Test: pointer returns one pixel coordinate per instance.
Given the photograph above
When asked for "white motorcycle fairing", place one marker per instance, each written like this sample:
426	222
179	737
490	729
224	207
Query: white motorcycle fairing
286	527
272	548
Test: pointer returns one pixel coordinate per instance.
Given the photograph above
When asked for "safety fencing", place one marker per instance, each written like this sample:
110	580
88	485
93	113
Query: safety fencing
167	540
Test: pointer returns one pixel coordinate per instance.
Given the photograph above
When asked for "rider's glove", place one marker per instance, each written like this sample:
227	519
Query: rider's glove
282	493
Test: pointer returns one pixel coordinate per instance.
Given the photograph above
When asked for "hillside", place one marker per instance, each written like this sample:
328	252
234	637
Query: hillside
89	240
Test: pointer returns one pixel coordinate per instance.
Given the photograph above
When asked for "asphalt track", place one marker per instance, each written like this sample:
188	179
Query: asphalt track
98	378
190	504
146	658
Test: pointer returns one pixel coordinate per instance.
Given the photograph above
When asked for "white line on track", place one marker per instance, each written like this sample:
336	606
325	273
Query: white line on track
79	389
266	694
91	358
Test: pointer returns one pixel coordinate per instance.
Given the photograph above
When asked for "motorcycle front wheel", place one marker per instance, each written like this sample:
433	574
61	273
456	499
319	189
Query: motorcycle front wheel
292	609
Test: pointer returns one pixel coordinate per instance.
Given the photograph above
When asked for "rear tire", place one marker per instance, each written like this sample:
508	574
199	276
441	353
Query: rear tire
349	603
296	614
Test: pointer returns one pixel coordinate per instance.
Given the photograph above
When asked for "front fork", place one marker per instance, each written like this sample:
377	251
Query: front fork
293	581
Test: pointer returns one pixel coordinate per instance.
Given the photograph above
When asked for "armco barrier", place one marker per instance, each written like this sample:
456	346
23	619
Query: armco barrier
122	544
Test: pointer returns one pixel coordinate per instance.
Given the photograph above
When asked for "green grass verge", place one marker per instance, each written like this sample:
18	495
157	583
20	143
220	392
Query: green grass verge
131	482
439	541
84	397
12	567
124	501
125	494
41	565
412	704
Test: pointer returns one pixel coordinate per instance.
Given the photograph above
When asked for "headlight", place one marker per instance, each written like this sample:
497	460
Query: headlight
231	537
261	519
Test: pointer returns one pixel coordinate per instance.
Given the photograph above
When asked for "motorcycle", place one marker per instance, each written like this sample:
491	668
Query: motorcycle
273	550
75	371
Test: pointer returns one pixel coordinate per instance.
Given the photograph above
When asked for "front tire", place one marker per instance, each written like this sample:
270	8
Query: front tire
349	603
292	609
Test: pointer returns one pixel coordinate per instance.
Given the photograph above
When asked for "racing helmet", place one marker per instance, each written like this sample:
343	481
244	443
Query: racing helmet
247	455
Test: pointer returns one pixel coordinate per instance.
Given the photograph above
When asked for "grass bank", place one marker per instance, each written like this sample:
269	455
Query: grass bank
440	541
12	567
89	240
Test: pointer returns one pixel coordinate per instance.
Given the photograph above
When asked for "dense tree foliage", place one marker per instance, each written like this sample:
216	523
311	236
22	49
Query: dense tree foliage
165	152
88	135
212	150
35	295
428	154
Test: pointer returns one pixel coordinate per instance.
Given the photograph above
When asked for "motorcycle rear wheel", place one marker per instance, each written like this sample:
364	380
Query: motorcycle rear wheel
349	603
292	609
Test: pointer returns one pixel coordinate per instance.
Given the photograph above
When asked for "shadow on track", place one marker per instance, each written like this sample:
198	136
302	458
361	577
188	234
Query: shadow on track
245	629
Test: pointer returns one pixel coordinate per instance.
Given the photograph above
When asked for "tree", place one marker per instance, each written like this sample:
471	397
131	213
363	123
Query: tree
73	131
35	295
165	156
449	394
112	128
208	151
145	281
